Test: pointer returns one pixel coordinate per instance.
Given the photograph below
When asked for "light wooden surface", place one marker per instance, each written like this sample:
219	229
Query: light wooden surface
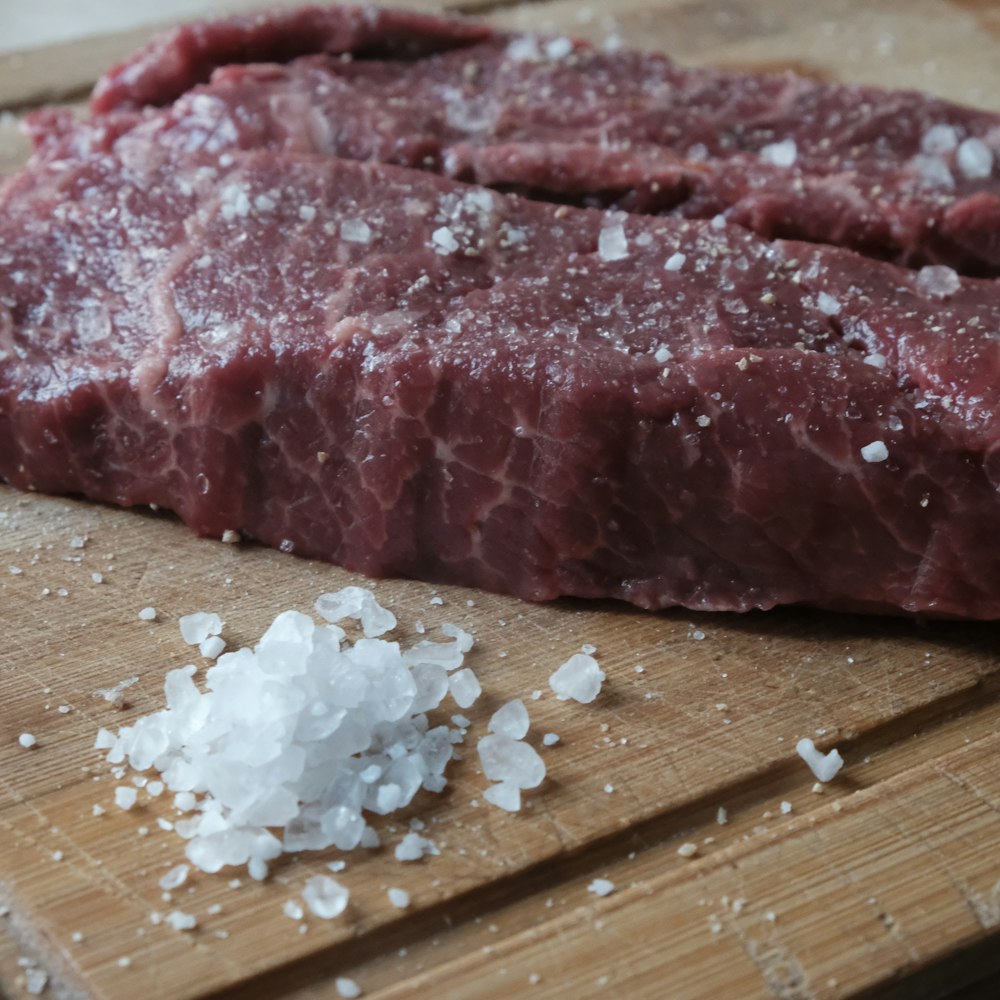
888	880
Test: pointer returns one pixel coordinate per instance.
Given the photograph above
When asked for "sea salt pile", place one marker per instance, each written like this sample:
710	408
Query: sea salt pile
292	742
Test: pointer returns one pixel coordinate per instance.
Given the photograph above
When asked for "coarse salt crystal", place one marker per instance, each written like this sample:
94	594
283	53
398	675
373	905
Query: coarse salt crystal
579	678
175	878
939	139
612	243
413	847
722	816
507	760
786	808
211	647
938	281
325	896
875	452
347	987
504	795
27	740
558	48
875	360
35	981
550	739
827	304
181	921
399	898
148	614
780	154
601	887
675	262
687	850
196	628
125	797
444	240
464	687
823	765
975	159
292	909
510	720
355	231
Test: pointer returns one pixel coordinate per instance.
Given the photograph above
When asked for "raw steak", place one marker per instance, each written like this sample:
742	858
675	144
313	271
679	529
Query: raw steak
896	175
407	375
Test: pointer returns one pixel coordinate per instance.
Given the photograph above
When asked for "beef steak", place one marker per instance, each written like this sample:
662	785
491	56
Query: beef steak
411	376
893	174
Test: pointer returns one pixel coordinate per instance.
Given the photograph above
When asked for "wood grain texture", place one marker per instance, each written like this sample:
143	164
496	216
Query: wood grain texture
877	883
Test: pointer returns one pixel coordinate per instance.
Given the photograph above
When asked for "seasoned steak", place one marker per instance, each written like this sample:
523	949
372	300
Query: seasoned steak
411	376
893	174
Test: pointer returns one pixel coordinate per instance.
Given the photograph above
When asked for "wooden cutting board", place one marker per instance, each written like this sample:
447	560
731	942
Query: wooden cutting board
886	883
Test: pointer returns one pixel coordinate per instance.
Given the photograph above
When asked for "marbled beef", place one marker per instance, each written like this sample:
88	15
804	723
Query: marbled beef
894	174
412	376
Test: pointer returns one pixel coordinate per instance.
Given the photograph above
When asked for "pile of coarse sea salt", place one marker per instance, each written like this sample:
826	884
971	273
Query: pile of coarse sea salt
302	735
292	742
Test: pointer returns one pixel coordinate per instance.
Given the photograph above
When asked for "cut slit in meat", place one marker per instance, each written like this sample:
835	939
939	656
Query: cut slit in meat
410	376
895	175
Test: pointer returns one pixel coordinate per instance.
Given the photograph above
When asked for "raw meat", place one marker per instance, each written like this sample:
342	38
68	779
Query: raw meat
895	175
411	376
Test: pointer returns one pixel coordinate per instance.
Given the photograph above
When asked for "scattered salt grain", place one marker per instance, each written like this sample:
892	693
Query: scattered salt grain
175	878
230	537
601	887
875	359
722	816
786	808
96	810
612	243
360	605
292	909
675	262
875	452
27	740
35	981
413	847
975	159
579	678
827	304
125	797
504	795
550	739
780	154
115	696
823	766
558	48
444	241
196	628
181	921
510	720
399	898
325	896
687	850
938	281
124	962
939	139
347	987
15	570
